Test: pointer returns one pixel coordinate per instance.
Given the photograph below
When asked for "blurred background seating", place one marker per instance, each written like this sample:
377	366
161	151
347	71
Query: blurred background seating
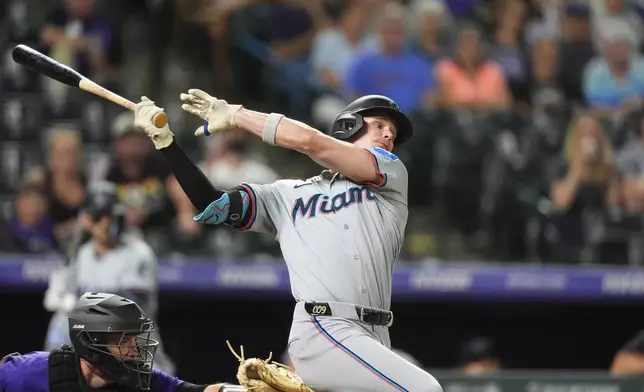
493	87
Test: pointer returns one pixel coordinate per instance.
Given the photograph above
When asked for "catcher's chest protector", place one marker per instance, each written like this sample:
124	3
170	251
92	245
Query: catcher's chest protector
63	376
63	373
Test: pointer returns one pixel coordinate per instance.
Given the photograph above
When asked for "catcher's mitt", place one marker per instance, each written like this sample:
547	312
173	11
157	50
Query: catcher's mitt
259	375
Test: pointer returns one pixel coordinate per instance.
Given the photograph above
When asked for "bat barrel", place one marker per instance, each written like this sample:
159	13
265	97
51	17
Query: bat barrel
45	65
36	61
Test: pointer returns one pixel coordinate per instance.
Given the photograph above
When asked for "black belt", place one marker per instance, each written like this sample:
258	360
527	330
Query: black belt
363	314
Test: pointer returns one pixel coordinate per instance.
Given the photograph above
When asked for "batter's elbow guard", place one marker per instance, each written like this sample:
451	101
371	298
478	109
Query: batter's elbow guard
228	209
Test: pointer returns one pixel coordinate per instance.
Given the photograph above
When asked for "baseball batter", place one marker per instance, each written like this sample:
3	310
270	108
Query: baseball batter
340	232
110	261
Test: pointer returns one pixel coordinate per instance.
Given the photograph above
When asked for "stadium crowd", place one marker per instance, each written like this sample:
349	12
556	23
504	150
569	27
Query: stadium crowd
528	115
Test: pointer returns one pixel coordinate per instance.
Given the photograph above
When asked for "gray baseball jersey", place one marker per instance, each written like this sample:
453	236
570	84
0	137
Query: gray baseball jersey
339	239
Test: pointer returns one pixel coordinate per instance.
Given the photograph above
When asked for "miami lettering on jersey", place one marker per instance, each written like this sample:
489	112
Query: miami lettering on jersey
326	204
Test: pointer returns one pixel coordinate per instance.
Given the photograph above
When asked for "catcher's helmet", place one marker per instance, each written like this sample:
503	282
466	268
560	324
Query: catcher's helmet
351	119
113	334
102	201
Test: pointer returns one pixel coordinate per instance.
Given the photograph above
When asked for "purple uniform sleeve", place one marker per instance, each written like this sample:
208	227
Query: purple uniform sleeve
22	373
163	382
4	378
29	373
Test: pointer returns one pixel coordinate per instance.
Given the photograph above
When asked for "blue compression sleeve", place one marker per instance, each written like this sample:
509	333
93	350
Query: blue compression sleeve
217	211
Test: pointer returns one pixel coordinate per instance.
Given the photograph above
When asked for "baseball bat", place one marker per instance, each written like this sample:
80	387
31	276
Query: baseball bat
45	65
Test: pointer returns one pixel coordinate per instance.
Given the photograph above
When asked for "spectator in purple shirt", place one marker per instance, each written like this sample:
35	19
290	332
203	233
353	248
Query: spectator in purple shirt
111	348
31	223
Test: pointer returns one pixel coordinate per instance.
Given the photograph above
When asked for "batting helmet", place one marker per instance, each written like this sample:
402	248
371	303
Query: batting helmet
102	201
113	334
351	119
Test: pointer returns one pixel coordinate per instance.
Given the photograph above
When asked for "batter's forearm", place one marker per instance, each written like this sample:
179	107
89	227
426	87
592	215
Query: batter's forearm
179	199
191	179
215	206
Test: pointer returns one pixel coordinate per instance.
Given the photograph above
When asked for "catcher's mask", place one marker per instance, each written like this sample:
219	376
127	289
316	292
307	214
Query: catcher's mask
113	334
102	201
351	120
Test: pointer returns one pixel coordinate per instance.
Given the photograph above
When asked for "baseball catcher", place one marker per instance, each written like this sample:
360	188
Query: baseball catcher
111	351
340	232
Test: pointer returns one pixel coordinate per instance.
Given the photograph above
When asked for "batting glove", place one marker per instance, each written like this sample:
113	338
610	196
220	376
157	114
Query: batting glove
218	115
143	114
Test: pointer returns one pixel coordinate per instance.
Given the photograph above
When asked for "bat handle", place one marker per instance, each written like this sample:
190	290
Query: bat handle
159	120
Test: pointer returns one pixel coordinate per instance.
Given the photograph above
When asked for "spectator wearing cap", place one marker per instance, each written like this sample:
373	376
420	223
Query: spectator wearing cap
478	356
576	50
394	69
614	82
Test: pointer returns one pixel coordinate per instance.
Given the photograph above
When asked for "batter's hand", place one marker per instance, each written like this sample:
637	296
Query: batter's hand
218	115
145	110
